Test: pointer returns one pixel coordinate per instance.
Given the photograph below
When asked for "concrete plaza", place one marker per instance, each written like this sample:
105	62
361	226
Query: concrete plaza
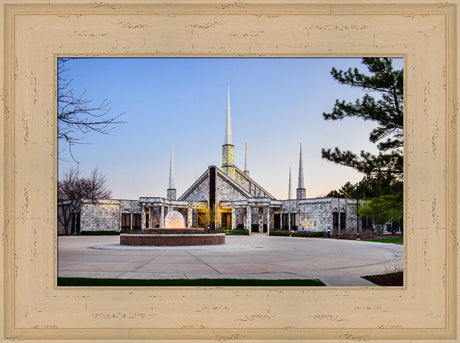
335	262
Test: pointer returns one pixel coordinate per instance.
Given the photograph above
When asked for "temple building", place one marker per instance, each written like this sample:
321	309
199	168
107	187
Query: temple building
225	197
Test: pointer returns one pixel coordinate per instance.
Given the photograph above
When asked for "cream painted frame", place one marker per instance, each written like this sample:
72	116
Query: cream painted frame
34	34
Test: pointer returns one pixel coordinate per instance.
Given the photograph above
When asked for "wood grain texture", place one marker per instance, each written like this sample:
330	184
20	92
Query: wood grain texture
34	34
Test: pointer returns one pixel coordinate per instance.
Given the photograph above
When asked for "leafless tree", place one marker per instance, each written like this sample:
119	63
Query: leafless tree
73	189
78	114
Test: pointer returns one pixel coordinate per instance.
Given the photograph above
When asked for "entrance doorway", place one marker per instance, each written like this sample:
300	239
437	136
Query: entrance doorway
226	221
277	221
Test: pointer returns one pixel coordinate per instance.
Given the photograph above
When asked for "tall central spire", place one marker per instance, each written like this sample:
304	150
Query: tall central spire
171	169
228	123
290	186
228	150
171	191
301	191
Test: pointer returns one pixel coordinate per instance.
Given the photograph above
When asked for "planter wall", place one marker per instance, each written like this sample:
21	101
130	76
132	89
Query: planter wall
172	239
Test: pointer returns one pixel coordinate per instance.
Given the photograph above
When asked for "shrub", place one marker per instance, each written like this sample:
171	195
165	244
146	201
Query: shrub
298	233
316	234
236	231
279	233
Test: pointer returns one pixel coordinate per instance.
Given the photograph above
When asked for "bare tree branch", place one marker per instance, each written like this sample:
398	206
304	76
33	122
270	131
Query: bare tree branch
78	115
73	189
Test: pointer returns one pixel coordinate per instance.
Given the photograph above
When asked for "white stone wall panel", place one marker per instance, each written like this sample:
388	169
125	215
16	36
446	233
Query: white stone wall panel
100	217
200	193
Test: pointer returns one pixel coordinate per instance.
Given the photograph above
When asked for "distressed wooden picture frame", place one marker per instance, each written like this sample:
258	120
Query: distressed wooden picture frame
34	34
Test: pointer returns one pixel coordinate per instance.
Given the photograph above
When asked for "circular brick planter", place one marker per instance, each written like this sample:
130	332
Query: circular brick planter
178	231
172	239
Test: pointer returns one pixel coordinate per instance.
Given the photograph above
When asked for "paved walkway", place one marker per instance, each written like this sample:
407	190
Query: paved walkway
335	262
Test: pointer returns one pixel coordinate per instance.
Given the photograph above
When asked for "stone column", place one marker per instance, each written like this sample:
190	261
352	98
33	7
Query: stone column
268	221
248	219
281	220
233	224
143	217
162	217
150	217
289	220
131	221
189	216
261	219
338	222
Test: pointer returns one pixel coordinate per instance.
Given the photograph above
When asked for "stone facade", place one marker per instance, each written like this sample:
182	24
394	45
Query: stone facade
130	206
100	215
317	214
199	191
250	185
235	205
321	214
103	215
225	190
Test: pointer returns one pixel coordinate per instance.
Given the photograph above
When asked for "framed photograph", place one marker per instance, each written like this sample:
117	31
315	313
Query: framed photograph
36	35
135	224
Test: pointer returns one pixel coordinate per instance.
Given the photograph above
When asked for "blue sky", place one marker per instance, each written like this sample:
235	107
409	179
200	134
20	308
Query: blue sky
276	104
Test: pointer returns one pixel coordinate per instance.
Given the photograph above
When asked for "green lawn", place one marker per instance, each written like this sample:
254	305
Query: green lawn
68	281
395	240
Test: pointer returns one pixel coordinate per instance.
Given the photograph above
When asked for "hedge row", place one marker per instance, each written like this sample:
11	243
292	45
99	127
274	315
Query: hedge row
235	231
100	232
298	233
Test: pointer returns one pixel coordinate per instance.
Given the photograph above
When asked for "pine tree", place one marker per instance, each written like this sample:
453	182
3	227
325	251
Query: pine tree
386	109
382	183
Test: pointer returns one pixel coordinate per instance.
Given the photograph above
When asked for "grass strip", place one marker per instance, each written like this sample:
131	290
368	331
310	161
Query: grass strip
390	279
394	240
74	281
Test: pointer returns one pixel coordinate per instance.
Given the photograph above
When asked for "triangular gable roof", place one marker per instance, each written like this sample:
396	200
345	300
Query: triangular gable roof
234	184
243	175
205	176
194	185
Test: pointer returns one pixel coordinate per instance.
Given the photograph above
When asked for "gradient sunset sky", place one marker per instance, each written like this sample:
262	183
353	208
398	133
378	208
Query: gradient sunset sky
276	104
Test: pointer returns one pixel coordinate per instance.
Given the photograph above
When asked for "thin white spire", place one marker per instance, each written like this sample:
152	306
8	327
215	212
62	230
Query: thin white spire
228	123
171	170
246	157
301	185
289	191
